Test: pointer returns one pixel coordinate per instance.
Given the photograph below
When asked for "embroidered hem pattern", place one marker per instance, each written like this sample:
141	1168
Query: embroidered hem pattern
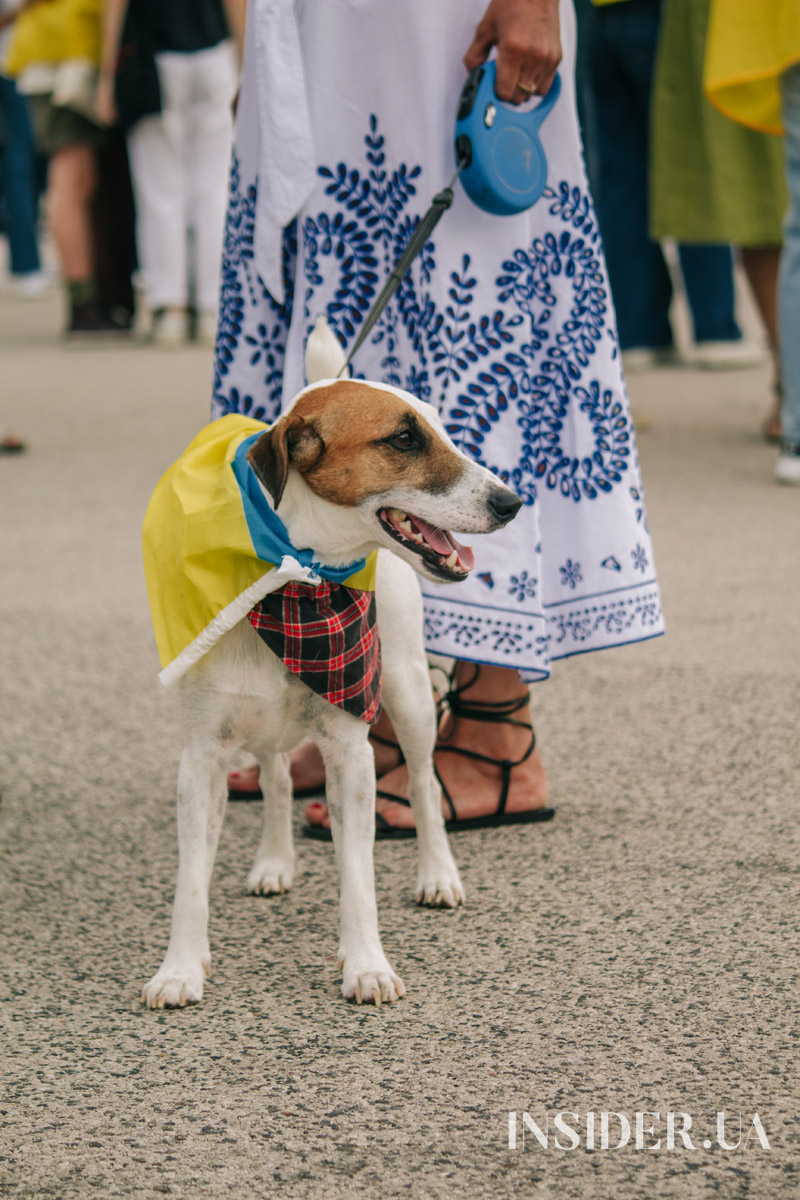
328	637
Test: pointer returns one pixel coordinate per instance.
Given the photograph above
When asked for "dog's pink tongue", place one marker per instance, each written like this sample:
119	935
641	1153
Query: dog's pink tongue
444	543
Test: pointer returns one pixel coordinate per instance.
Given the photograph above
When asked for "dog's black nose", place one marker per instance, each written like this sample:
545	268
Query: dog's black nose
504	505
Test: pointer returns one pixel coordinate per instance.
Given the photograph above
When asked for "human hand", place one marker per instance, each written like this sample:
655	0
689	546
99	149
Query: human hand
528	40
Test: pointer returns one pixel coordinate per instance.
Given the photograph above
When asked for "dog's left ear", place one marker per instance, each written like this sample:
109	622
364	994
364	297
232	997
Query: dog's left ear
292	441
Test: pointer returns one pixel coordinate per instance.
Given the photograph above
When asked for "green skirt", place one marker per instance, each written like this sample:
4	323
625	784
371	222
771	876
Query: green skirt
711	180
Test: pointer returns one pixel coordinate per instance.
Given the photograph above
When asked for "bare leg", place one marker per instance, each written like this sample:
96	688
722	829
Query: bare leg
71	182
761	267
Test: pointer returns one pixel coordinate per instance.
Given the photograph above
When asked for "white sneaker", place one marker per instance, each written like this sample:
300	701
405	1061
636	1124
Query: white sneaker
169	328
206	328
787	468
31	285
646	358
727	356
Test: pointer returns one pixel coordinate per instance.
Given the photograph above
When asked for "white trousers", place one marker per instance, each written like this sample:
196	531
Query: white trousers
179	164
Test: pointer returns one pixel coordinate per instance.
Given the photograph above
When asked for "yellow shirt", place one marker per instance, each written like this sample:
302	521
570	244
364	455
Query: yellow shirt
52	32
750	44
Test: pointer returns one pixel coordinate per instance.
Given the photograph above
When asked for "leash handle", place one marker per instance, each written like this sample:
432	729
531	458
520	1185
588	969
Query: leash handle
425	227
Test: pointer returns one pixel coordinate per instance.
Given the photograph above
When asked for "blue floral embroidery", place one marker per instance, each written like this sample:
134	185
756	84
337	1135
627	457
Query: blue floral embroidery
535	641
531	360
640	560
527	359
241	291
571	574
522	586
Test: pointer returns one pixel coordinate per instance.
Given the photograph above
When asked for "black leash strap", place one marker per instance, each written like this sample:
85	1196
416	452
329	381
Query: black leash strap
441	202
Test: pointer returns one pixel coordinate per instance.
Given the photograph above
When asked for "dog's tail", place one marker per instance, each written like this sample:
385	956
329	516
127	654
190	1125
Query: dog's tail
324	355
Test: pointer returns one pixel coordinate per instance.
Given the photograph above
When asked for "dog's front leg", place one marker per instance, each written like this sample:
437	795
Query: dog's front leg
201	808
350	791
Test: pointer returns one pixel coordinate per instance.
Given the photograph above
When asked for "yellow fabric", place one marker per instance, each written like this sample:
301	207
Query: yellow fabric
53	31
198	554
750	44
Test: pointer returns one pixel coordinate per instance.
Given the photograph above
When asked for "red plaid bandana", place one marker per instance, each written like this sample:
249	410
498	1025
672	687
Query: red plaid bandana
327	635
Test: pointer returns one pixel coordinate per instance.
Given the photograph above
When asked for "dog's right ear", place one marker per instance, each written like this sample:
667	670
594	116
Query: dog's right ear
292	441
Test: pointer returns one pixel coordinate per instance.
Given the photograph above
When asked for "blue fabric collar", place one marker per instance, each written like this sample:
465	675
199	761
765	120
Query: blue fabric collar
269	535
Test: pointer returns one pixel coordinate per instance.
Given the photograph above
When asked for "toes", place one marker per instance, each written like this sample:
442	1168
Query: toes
247	778
317	813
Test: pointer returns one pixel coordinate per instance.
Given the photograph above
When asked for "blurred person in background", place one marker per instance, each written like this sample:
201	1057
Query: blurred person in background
18	172
712	179
752	74
179	142
618	60
53	55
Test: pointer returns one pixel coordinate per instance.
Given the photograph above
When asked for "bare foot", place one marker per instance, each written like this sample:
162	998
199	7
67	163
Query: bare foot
308	769
474	786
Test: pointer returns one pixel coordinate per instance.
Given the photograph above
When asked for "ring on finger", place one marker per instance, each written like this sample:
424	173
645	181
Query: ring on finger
528	88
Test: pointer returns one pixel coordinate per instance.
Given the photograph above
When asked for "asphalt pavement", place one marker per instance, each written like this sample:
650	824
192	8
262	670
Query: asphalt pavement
637	954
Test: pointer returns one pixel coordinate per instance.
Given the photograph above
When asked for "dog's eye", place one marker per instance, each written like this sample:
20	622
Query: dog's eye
403	441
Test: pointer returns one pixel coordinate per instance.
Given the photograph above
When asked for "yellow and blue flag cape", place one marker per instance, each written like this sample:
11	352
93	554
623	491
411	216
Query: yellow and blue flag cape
214	546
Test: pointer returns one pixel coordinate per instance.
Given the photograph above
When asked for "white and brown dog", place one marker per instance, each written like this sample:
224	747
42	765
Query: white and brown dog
352	466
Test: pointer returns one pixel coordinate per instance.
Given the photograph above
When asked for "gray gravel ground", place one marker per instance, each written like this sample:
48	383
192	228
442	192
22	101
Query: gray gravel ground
639	953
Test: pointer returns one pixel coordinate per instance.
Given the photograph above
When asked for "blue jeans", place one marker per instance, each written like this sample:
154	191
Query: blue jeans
623	39
18	178
789	278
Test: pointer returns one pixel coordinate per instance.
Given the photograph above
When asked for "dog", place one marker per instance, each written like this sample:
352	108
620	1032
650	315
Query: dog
350	468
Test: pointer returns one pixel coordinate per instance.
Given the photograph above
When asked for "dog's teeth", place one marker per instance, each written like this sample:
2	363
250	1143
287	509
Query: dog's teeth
417	536
407	525
397	515
451	559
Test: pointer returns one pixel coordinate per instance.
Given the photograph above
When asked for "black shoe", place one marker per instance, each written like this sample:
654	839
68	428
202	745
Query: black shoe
88	317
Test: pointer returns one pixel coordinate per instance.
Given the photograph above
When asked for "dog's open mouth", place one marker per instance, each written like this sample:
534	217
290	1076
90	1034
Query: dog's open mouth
437	547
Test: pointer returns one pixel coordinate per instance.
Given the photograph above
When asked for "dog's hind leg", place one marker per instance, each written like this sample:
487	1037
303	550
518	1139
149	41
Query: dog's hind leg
273	870
350	789
409	703
202	797
408	700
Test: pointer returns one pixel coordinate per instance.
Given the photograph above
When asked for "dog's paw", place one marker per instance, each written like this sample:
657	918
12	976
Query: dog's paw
440	887
370	983
270	877
175	986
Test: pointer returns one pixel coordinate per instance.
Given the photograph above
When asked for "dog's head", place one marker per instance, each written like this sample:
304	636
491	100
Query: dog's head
382	458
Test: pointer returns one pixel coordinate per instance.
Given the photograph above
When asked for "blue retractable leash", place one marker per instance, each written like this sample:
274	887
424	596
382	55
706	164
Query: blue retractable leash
501	162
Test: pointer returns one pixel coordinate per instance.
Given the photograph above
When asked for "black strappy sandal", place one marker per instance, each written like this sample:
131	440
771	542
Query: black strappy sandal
501	712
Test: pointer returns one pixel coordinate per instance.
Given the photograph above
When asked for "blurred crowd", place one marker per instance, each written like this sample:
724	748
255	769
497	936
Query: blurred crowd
120	112
115	136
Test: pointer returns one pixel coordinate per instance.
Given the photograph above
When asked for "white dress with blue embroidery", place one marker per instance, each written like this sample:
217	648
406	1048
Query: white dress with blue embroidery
504	323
